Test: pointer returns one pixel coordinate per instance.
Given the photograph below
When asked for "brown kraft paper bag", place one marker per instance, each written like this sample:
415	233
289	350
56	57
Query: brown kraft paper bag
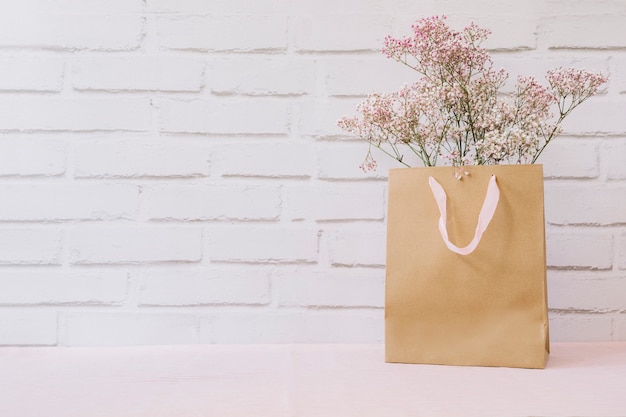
482	305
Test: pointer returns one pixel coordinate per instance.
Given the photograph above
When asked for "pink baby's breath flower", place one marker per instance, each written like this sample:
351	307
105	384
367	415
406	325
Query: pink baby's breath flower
575	82
455	111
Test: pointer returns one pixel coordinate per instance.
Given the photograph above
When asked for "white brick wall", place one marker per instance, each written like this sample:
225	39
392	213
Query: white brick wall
36	287
32	155
171	170
261	244
221	116
55	31
31	73
140	157
145	73
30	246
46	113
205	286
224	32
132	244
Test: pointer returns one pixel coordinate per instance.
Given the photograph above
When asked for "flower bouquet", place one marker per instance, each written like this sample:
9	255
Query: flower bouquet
466	260
456	113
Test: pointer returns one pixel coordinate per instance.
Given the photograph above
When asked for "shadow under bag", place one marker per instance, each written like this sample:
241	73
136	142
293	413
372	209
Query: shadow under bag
466	267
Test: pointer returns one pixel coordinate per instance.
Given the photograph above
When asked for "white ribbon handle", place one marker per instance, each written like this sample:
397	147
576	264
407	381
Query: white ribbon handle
486	214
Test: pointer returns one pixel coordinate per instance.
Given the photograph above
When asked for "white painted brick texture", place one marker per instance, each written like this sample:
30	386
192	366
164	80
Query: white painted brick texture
48	113
33	73
269	159
358	32
32	156
120	244
111	329
223	286
217	116
69	31
329	201
590	31
36	287
140	157
202	7
342	287
262	244
191	202
28	328
58	202
585	249
31	246
241	33
158	73
80	6
171	171
262	75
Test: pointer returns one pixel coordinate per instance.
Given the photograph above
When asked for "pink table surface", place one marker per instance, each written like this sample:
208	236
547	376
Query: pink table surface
301	380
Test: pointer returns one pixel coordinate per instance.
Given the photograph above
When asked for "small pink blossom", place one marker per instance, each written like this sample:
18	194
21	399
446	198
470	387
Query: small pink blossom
455	111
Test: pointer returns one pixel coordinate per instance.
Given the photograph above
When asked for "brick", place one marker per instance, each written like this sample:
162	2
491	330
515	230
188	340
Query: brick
343	287
273	159
126	328
190	202
619	332
618	77
509	31
596	31
346	7
218	6
241	33
351	76
184	287
71	31
81	6
30	246
492	8
318	117
59	202
357	247
349	32
58	288
339	160
140	158
585	293
579	250
262	75
28	156
31	73
75	114
326	326
28	328
262	244
137	73
622	251
570	158
333	201
121	245
612	154
582	7
580	328
592	204
224	117
597	116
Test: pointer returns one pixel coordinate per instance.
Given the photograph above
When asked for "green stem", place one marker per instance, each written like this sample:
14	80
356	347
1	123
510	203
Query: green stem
397	158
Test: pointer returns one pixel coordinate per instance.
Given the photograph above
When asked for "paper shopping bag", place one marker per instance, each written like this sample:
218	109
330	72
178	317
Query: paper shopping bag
466	267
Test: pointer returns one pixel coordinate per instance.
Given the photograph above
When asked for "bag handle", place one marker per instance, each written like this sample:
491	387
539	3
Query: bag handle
486	214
